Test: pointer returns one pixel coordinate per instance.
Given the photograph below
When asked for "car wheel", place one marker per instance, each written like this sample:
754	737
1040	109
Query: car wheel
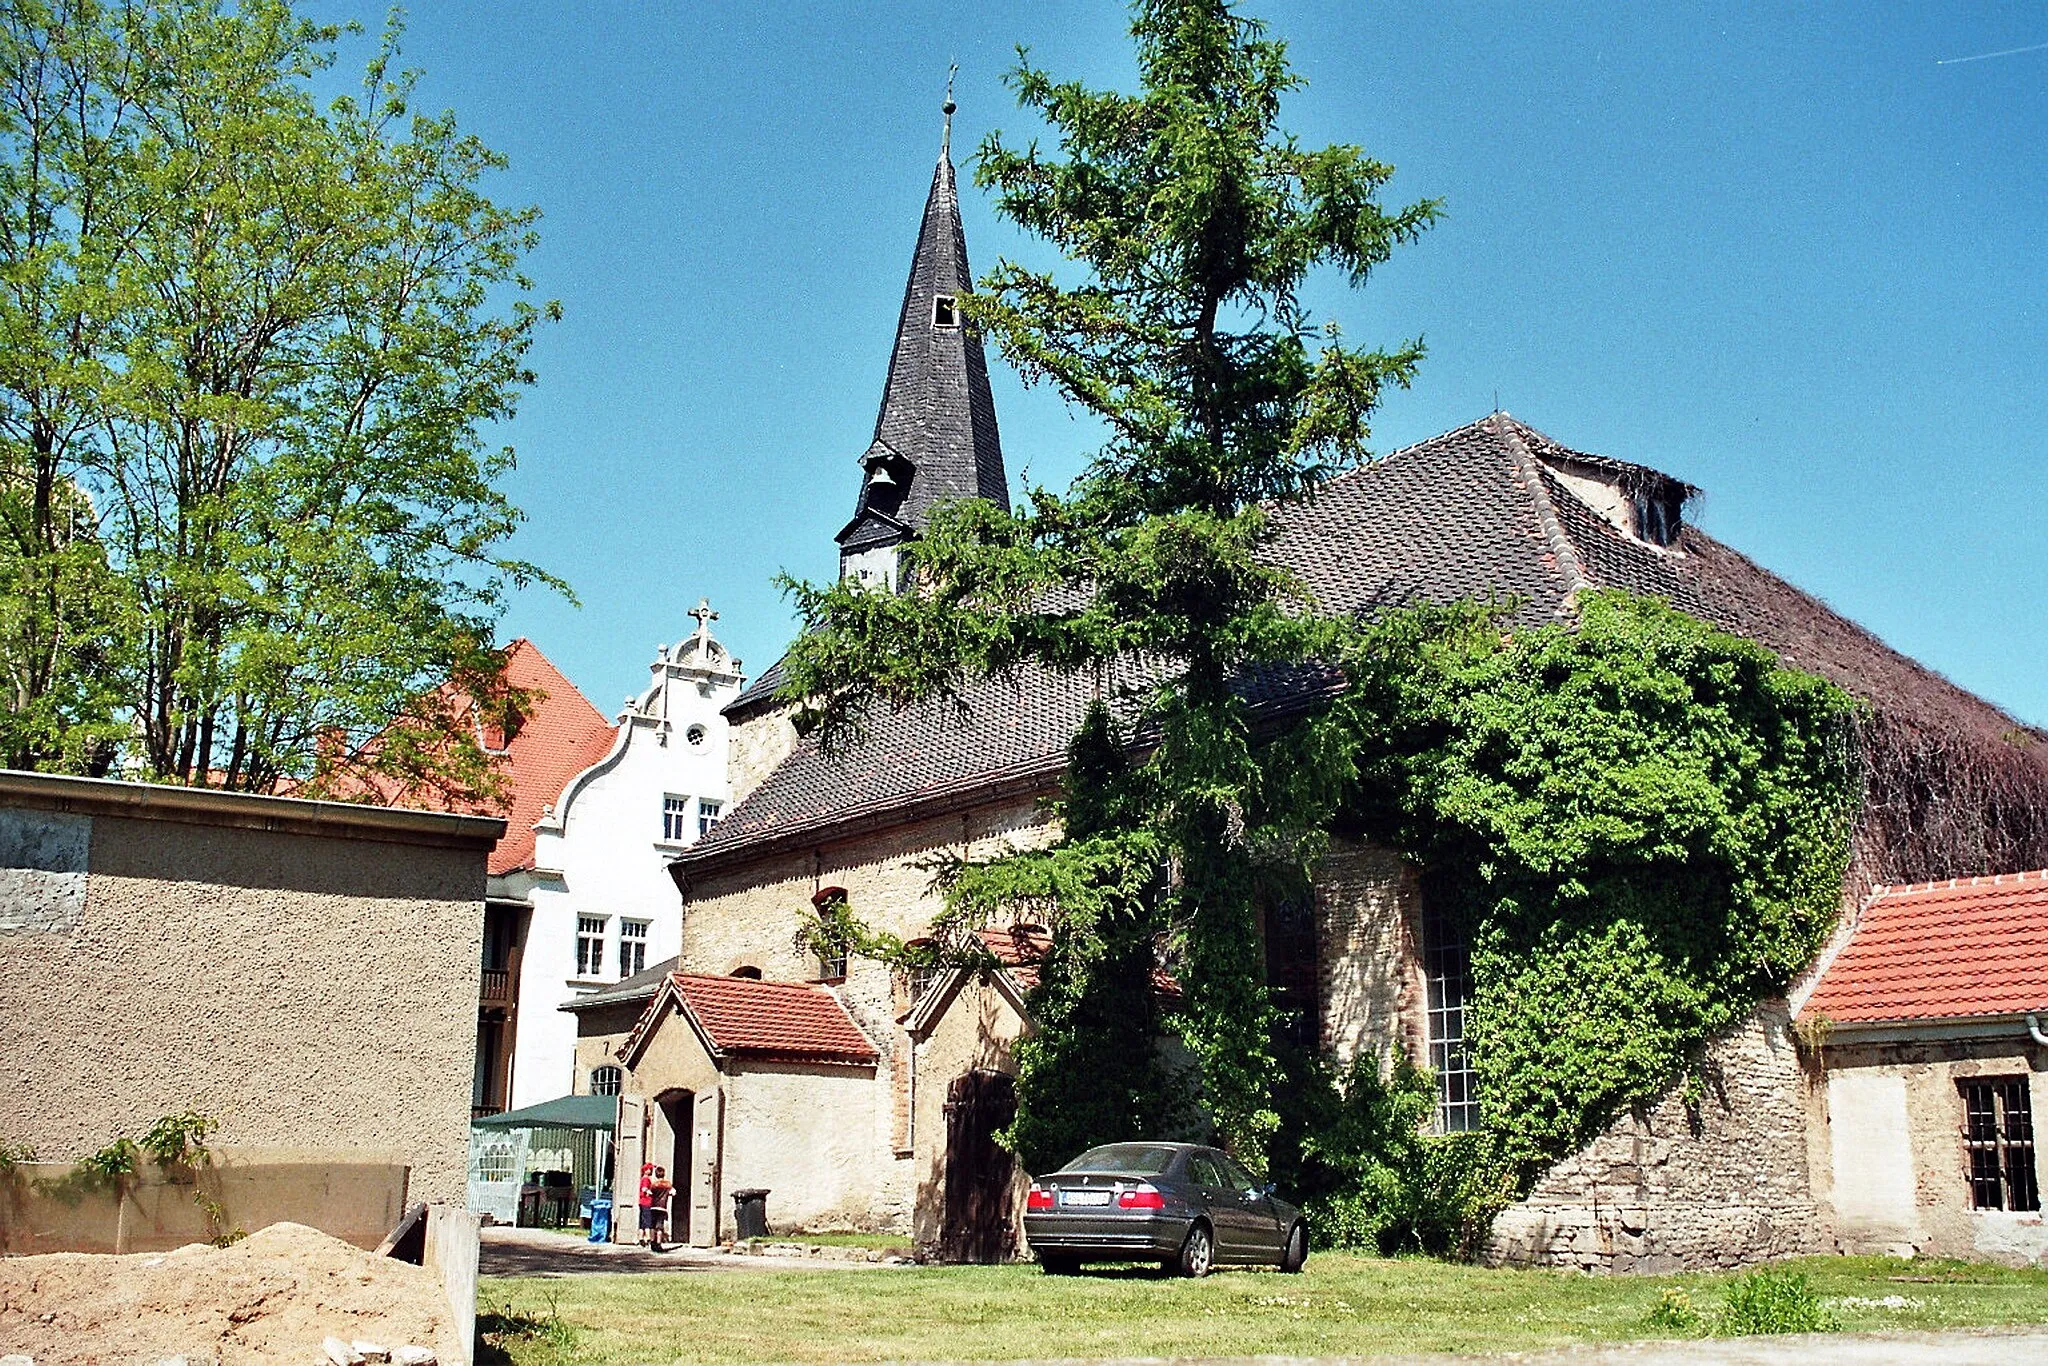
1296	1255
1060	1266
1198	1253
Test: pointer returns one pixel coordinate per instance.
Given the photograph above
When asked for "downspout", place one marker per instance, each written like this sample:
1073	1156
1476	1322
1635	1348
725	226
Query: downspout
2034	1031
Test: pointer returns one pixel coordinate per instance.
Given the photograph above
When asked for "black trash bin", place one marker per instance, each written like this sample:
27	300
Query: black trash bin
750	1213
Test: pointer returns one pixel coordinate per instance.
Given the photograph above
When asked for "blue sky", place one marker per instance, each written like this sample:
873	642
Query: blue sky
1789	253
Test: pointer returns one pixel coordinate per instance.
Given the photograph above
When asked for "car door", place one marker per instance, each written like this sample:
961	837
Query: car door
1228	1214
1258	1220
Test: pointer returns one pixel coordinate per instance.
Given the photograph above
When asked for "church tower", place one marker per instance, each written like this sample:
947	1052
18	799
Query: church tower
935	437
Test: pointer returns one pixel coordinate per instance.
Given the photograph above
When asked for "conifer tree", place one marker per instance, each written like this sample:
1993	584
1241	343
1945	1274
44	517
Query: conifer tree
1191	221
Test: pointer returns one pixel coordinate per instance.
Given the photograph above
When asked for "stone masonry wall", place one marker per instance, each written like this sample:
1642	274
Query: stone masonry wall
1725	1183
753	749
1368	907
749	916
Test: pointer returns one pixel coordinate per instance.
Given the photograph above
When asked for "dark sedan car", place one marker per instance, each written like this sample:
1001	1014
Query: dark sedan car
1187	1207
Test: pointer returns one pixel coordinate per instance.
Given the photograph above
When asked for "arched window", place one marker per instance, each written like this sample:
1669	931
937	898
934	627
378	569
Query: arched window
746	970
831	945
606	1080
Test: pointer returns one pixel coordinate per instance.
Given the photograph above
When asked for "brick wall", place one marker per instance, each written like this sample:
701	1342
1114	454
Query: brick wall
1368	904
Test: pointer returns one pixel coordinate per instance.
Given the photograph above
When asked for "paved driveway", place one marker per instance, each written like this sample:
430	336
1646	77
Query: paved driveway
542	1252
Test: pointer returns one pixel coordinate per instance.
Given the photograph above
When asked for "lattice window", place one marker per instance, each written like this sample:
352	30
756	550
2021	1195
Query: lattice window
1290	926
589	945
675	818
1447	975
1998	1139
632	947
607	1081
709	814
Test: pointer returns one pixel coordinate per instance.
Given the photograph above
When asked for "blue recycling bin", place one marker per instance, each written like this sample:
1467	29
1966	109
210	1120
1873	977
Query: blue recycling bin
601	1220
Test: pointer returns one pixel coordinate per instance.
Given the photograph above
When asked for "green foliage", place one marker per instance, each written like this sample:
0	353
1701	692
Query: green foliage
1193	221
1674	1313
249	346
1772	1301
113	1163
179	1140
13	1155
1354	1148
1642	823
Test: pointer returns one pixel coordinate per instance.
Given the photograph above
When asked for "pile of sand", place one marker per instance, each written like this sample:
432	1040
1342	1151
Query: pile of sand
274	1296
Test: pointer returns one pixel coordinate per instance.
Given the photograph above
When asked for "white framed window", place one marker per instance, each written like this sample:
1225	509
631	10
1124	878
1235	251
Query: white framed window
675	818
708	814
695	735
1447	977
632	947
607	1081
590	945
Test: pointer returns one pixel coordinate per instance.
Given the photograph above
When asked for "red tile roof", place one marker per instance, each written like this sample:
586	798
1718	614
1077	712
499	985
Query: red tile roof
561	735
791	1021
1941	950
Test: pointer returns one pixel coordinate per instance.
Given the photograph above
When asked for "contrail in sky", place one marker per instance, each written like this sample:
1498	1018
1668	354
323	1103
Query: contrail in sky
1987	56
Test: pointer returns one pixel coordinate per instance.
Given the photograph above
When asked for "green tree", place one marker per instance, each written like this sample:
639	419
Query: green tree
1194	221
261	339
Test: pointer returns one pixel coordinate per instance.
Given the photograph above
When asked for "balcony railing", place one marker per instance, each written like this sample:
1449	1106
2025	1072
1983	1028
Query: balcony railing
497	986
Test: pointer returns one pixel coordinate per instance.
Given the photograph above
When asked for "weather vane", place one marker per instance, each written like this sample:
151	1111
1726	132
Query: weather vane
946	142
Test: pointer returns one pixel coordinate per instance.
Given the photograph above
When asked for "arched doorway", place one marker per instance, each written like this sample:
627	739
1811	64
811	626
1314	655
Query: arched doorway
979	1224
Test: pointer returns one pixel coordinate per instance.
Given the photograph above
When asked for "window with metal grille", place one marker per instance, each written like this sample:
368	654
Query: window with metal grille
589	945
708	814
632	947
607	1081
1290	928
1998	1138
1447	977
675	818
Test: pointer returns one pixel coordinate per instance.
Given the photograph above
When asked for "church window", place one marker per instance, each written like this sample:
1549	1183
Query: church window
1998	1139
606	1081
1447	977
708	815
945	311
590	945
632	947
675	818
830	942
695	735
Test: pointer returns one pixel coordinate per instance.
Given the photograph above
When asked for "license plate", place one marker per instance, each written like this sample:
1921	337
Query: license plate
1084	1197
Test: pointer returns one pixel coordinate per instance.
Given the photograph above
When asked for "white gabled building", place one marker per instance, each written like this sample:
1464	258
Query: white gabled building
597	898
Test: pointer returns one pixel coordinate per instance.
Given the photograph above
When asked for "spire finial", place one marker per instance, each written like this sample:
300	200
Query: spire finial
946	142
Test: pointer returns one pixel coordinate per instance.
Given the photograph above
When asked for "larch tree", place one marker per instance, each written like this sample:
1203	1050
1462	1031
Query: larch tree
1192	222
249	348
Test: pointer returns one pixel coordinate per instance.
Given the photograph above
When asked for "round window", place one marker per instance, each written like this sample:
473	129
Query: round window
695	735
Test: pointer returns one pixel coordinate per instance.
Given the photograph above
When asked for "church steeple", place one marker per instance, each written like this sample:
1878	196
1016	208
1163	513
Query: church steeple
935	436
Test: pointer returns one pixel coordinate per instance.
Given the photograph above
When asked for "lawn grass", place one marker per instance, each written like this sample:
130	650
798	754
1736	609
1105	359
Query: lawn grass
876	1242
1343	1304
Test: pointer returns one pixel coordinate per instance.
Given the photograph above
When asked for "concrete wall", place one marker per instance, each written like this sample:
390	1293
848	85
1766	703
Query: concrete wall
1890	1160
311	985
1674	1187
1368	964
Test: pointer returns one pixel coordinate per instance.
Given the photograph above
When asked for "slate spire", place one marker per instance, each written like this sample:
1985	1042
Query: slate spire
935	436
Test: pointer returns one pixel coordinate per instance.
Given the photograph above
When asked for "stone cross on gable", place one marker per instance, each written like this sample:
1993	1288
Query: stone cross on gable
704	615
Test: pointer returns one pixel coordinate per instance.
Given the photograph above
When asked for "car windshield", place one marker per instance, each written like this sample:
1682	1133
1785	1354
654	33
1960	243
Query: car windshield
1137	1158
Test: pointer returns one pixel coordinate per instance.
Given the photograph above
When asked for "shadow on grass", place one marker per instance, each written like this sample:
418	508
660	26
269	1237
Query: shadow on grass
536	1337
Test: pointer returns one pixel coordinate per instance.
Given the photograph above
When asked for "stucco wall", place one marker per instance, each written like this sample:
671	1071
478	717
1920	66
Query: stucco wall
310	992
978	1031
1891	1165
1674	1187
805	1134
1368	912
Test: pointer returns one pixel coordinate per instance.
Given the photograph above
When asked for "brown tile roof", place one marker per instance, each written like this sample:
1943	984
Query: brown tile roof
788	1021
1476	512
561	735
1941	950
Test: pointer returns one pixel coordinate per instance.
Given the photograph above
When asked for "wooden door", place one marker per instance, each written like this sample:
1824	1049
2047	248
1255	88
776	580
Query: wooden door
978	1225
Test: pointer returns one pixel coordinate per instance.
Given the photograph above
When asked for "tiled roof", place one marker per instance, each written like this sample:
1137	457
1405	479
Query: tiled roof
1476	512
641	986
1939	951
791	1021
561	735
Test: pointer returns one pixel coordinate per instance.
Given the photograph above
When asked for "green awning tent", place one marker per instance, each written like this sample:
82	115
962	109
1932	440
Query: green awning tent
564	1112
